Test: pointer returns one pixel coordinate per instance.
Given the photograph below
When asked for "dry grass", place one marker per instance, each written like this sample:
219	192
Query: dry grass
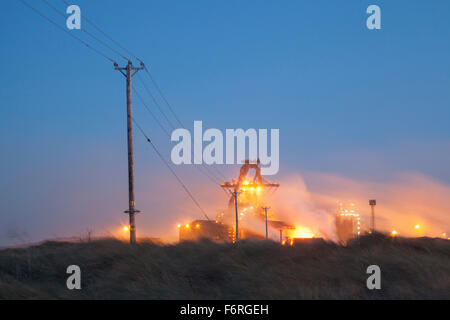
411	269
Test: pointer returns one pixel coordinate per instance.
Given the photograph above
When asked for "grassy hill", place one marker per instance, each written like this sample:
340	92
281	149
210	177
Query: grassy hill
110	269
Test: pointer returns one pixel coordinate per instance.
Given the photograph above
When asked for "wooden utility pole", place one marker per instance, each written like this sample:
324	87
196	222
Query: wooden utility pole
267	231
129	71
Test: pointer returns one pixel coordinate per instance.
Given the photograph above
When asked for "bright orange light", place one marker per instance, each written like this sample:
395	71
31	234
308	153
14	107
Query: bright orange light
283	242
302	232
125	228
246	182
197	226
291	243
417	226
187	226
178	226
394	233
251	188
258	188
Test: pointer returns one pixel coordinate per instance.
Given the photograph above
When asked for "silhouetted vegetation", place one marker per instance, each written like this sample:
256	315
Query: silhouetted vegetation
411	269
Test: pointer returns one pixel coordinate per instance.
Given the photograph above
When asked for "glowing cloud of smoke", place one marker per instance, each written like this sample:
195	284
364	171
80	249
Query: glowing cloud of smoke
294	203
407	200
309	201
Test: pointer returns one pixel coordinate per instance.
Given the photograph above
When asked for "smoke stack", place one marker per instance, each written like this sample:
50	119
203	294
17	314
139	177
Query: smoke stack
372	204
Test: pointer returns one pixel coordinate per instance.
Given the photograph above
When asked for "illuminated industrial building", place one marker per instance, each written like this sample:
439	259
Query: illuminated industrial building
348	222
252	193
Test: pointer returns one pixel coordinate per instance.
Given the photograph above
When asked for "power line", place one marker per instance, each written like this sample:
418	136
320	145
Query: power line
66	31
106	35
156	102
87	32
208	173
151	113
170	168
164	98
210	170
216	171
139	96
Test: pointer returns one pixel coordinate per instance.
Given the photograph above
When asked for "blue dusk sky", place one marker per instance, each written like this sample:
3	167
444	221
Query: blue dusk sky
363	104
